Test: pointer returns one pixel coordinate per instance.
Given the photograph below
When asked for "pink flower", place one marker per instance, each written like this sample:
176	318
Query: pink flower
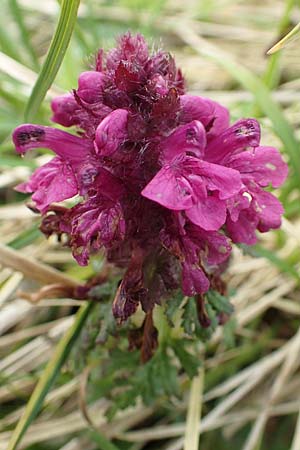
196	187
162	182
252	208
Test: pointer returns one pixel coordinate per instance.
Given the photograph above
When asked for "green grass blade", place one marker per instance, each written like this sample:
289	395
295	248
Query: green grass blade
7	46
102	441
282	264
253	84
27	237
273	72
48	376
18	17
55	55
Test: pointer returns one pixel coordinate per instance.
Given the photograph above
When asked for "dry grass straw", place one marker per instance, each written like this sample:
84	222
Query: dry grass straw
33	269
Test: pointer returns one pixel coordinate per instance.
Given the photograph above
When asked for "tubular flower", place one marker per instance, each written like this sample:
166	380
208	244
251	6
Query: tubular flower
163	183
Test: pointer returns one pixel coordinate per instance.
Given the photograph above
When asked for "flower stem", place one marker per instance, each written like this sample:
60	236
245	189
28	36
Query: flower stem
192	432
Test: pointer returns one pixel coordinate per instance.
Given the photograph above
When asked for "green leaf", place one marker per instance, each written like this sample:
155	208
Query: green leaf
206	333
102	441
229	333
48	376
190	317
54	58
189	362
166	372
191	323
219	302
172	306
157	378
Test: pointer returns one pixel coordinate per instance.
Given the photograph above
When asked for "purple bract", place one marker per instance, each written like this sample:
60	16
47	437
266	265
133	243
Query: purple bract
163	182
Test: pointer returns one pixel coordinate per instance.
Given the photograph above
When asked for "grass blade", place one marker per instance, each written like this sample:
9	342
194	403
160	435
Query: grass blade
48	376
54	58
102	441
26	237
281	264
272	75
18	16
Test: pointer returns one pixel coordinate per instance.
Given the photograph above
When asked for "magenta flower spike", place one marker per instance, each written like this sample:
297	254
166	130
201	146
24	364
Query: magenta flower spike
162	181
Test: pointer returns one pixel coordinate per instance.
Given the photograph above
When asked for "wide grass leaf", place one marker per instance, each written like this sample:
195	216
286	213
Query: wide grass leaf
49	375
55	55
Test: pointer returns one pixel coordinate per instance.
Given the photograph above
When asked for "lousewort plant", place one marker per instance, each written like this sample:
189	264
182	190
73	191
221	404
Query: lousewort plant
160	180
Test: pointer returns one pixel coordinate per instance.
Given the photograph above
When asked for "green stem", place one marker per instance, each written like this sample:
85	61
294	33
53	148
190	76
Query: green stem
49	375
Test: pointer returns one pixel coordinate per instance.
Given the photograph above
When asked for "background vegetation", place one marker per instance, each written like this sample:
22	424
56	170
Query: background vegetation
250	391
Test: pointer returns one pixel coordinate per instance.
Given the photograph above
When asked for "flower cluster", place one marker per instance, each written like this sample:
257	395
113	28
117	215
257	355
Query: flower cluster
163	182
